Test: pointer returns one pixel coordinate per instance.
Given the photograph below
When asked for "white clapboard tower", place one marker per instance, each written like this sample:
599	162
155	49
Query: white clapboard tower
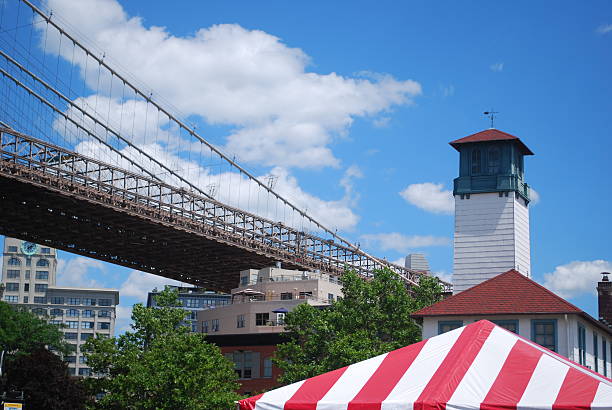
491	208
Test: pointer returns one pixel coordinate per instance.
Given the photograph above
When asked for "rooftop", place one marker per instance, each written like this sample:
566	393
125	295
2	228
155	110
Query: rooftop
491	134
505	294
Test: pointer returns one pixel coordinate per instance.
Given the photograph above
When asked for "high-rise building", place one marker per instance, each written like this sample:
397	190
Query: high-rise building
491	208
29	273
417	261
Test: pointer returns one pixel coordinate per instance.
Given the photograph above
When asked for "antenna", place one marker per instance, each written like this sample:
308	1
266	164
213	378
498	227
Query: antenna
491	115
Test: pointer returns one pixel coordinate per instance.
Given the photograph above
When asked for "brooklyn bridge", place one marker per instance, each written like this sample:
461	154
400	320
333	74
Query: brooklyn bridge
99	166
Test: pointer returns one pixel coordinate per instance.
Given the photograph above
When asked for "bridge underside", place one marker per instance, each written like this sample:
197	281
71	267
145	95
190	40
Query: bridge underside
40	214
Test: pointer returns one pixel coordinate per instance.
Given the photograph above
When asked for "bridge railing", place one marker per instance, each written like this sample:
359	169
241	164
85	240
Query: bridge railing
34	158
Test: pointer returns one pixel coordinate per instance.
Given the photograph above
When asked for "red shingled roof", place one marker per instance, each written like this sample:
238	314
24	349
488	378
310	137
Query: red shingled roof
507	293
490	135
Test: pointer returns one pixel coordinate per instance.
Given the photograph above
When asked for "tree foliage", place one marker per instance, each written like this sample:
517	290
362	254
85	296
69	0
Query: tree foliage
160	364
44	379
23	332
372	318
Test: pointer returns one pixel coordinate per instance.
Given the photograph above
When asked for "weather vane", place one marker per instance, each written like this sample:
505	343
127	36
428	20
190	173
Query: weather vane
491	115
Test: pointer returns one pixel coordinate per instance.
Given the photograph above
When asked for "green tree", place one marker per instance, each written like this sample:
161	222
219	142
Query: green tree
44	379
160	364
23	332
372	318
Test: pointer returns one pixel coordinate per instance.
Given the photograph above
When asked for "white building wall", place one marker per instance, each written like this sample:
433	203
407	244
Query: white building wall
567	335
491	237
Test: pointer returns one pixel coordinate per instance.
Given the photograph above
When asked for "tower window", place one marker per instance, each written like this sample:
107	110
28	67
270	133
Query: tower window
493	160
476	168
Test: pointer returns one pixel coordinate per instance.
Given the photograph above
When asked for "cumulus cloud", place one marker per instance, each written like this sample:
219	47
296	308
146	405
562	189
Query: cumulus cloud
576	278
446	277
80	271
403	243
123	320
139	284
604	28
497	67
430	197
282	114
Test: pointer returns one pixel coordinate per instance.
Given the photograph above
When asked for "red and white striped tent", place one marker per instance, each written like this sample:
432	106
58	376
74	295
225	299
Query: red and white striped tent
479	366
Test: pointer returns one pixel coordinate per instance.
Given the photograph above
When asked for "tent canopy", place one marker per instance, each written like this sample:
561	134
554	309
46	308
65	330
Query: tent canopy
479	366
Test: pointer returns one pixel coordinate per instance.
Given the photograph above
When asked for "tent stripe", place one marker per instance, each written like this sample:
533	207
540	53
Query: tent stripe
350	383
513	377
412	383
313	390
445	380
486	367
577	387
603	397
545	382
386	377
270	400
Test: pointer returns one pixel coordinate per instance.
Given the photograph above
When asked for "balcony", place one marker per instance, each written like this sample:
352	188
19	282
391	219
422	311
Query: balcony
490	183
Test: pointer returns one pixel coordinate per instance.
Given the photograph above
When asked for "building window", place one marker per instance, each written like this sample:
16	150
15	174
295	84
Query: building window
194	327
27	275
74	301
104	325
286	296
85	336
42	263
87	325
493	160
12	287
28	261
511	325
191	315
544	333
88	313
55	322
267	368
82	359
262	319
72	324
330	297
12	274
476	169
70	335
71	371
604	356
244	364
70	359
45	251
42	275
40	300
72	313
205	326
57	300
280	319
448	325
89	302
191	302
215	325
244	280
57	312
104	302
12	249
595	353
14	262
581	345
25	299
103	313
11	299
39	311
84	371
40	287
26	287
304	295
240	321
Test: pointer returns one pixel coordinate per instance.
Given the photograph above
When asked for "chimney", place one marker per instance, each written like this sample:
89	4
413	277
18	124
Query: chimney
604	293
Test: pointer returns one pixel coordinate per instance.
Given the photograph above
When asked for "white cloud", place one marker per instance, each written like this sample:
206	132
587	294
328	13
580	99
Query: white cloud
124	319
79	271
446	277
430	197
604	28
576	278
497	67
382	122
139	284
283	114
403	243
534	195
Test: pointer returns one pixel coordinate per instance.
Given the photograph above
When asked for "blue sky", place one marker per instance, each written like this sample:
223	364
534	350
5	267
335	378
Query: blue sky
435	67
